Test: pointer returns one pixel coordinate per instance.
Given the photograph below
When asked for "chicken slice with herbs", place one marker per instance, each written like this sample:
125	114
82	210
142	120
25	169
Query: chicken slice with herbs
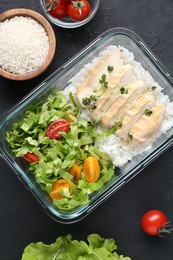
126	96
142	104
103	102
92	82
145	130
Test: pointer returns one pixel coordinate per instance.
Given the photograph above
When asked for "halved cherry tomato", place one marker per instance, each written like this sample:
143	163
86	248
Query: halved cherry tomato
59	186
75	171
30	157
91	169
60	125
78	10
154	222
57	9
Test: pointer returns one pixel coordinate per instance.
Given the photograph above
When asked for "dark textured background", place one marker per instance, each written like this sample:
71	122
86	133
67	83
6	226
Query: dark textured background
22	220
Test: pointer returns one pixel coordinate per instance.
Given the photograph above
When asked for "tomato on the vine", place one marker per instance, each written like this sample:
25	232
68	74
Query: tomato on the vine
60	125
78	10
57	9
154	222
30	157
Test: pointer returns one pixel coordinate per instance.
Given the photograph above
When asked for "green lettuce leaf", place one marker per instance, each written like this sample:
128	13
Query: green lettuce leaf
65	248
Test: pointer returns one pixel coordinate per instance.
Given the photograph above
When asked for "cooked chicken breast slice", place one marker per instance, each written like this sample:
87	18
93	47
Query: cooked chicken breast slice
129	75
145	130
91	83
134	112
118	78
122	102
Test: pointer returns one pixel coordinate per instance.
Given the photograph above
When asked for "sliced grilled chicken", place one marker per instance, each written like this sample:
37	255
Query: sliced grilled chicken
116	94
129	75
144	131
91	83
121	75
134	112
122	102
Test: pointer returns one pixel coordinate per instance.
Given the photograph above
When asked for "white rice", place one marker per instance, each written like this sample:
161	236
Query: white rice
119	152
24	44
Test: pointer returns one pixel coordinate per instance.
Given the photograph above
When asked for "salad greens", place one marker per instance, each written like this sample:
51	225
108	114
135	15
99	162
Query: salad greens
56	156
65	248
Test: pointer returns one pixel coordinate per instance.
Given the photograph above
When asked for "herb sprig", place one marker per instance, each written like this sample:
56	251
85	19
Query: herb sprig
123	90
130	137
90	102
153	88
148	112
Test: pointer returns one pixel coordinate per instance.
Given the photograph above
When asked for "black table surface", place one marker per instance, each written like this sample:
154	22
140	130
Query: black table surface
22	220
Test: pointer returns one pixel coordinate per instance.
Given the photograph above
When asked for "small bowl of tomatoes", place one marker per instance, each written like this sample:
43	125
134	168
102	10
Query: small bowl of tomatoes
69	13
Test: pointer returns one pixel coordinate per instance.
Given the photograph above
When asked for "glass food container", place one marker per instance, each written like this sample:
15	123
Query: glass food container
61	77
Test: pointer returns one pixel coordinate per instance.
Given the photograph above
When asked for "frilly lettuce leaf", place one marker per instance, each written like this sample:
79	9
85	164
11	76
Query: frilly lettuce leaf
65	248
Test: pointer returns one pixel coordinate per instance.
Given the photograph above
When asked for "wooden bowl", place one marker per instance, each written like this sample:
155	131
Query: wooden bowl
52	43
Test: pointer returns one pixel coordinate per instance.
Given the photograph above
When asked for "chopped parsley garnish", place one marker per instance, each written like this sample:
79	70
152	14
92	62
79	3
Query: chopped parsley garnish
148	112
110	68
119	123
103	81
153	87
123	90
89	102
130	137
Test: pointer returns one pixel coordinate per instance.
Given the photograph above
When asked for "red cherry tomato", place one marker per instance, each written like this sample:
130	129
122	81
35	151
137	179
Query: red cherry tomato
154	222
78	10
30	157
64	2
57	9
60	125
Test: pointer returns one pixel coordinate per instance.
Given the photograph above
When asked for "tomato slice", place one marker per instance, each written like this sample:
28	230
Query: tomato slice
60	125
30	157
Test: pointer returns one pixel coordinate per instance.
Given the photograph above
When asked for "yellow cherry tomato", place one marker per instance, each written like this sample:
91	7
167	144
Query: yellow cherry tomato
91	169
75	171
60	188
